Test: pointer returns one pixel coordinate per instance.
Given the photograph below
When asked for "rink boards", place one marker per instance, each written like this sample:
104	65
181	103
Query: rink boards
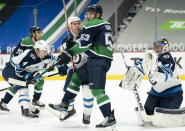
118	68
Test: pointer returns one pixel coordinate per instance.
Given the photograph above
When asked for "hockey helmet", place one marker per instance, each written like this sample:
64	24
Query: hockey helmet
33	29
95	8
73	19
42	45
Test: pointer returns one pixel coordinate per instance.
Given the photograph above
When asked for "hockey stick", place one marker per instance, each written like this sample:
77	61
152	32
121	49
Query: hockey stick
40	75
5	89
25	82
67	28
142	116
135	91
65	12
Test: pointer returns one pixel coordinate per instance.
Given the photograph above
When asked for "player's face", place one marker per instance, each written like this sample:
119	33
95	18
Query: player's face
75	27
37	35
90	15
42	53
158	48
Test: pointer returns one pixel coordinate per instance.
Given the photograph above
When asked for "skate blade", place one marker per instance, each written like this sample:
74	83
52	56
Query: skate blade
54	112
4	112
29	119
61	117
109	128
39	107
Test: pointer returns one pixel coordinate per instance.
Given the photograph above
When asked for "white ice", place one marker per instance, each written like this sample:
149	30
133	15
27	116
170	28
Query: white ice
122	101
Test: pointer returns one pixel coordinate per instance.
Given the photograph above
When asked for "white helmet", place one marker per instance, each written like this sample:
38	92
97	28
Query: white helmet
41	45
73	19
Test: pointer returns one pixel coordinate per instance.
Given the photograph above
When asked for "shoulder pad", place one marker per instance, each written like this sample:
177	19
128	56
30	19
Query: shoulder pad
95	22
26	41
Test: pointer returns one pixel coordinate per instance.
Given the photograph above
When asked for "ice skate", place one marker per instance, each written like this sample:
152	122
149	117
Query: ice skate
28	114
86	119
38	103
55	106
108	121
3	107
61	111
67	114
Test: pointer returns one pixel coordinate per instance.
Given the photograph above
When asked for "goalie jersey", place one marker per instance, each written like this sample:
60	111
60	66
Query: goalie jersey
165	81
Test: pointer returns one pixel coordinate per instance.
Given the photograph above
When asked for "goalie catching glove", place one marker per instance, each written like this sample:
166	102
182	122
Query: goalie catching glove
133	78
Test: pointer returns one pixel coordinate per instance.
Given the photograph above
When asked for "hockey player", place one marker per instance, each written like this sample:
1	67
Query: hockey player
25	43
166	91
79	60
23	68
96	42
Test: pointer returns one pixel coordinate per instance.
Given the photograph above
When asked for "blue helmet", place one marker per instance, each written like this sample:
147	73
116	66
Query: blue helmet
95	8
161	41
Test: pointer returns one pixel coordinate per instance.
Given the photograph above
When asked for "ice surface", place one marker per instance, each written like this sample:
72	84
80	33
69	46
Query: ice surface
122	101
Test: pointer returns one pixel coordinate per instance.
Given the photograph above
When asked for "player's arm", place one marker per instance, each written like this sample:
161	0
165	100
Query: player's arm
167	63
85	42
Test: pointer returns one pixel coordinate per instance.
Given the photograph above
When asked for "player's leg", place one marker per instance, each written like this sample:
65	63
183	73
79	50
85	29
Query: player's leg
172	101
88	101
67	81
6	99
70	93
6	73
24	101
97	69
37	94
150	104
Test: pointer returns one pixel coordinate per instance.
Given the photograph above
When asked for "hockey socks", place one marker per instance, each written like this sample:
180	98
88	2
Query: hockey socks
9	95
7	98
102	101
68	97
106	109
36	96
38	90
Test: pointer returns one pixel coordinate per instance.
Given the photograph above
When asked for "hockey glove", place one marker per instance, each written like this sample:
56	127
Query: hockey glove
30	76
65	57
69	44
62	69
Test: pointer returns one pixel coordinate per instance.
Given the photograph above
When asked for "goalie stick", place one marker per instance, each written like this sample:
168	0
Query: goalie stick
135	91
142	116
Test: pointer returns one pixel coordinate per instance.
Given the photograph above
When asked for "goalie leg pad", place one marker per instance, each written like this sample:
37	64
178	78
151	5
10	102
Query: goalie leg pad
169	117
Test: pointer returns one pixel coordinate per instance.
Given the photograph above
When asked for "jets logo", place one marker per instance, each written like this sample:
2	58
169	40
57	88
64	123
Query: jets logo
33	56
24	63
